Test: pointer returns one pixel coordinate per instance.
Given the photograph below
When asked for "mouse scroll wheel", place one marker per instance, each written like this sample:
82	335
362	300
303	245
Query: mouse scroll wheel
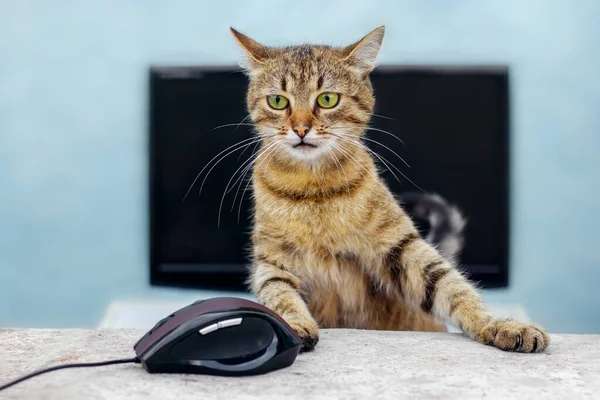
221	324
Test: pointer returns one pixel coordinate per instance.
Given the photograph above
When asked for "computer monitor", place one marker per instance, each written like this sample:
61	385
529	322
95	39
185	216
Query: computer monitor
453	122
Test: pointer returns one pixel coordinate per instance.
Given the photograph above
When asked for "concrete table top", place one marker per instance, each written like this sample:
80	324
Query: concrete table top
347	364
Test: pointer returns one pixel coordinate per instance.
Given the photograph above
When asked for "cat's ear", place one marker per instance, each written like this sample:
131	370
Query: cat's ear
254	52
364	52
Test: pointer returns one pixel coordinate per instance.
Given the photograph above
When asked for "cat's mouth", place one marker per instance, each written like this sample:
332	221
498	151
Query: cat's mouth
306	150
304	145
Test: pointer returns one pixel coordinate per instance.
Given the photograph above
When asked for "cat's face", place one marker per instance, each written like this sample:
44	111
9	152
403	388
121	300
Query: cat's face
310	103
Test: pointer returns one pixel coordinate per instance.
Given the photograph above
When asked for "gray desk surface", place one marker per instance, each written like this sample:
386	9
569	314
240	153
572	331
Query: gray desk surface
347	364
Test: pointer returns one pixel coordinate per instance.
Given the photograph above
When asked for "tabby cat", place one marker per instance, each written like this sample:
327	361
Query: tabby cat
331	246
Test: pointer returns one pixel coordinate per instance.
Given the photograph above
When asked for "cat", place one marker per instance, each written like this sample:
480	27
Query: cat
331	246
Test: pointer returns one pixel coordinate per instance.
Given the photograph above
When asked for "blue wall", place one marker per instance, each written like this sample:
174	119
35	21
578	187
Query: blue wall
73	134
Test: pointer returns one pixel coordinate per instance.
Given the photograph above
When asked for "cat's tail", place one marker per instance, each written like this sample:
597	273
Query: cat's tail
441	223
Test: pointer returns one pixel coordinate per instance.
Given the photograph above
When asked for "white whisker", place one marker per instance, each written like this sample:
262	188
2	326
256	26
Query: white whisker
241	122
383	160
227	186
338	165
251	139
373	129
273	149
392	151
382	116
253	150
354	161
381	144
217	163
243	176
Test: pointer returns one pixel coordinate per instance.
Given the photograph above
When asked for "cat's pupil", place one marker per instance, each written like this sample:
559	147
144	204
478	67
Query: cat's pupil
277	99
327	98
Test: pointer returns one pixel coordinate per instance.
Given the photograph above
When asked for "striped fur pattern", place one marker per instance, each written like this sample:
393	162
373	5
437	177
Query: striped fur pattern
331	246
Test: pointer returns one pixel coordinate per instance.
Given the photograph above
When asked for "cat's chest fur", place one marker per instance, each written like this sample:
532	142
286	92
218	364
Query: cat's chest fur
321	230
322	245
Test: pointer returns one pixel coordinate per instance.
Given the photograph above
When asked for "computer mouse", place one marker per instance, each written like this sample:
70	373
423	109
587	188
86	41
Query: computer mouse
220	336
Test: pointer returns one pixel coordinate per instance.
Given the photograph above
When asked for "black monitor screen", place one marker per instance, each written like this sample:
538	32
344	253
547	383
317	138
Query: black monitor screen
453	123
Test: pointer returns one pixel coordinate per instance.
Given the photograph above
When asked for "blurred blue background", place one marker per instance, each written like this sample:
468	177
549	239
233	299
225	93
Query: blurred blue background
73	126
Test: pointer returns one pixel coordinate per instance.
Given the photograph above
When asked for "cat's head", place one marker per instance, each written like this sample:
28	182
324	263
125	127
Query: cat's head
310	102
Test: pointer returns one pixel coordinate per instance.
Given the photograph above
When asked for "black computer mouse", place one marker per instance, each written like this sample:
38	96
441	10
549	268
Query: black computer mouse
220	336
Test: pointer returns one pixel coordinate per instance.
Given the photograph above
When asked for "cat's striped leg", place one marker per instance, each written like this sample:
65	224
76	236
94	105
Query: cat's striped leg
424	279
279	290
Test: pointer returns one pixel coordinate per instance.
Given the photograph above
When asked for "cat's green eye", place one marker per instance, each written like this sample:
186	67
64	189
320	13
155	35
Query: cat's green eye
328	100
278	102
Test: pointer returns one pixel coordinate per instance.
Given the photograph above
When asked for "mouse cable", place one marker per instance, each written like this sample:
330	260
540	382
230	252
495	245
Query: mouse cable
80	365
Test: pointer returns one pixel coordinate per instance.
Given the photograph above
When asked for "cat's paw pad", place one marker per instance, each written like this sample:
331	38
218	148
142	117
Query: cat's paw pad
510	335
309	334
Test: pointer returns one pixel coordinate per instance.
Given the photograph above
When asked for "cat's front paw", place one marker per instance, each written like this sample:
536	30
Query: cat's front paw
308	332
510	335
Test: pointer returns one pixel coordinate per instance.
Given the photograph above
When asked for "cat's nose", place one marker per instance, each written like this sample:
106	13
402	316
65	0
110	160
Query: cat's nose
301	130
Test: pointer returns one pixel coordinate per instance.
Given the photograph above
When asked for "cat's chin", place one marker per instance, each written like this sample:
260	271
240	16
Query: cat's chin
309	153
